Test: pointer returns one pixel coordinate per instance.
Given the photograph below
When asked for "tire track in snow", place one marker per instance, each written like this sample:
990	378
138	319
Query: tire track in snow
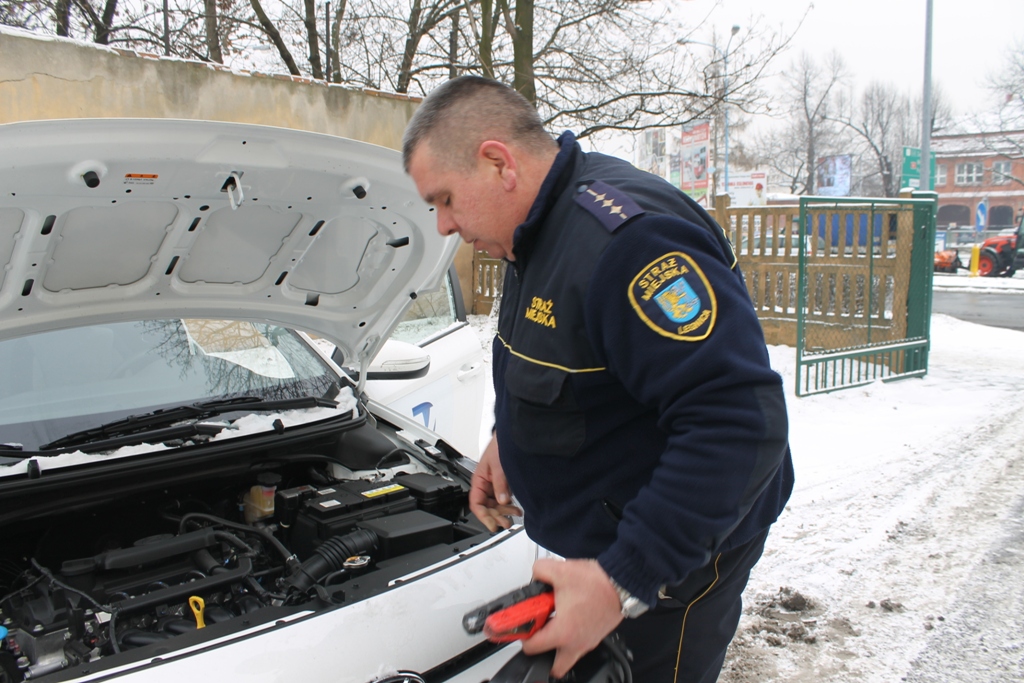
917	540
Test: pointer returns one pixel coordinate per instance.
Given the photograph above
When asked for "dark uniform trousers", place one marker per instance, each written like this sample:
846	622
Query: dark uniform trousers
684	638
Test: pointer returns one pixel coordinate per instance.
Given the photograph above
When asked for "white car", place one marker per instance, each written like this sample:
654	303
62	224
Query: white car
189	487
432	369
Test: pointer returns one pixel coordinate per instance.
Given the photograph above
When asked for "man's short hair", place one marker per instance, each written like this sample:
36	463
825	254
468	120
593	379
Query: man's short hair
461	113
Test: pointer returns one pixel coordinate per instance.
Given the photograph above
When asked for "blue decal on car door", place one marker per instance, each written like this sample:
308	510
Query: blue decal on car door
422	411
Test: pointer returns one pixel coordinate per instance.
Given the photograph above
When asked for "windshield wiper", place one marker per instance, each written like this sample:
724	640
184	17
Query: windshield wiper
125	431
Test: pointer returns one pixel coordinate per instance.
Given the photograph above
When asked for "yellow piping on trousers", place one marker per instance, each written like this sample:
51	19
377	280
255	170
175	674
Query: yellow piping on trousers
682	630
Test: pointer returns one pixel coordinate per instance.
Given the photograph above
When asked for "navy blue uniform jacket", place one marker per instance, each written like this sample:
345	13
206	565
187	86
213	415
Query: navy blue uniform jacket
638	419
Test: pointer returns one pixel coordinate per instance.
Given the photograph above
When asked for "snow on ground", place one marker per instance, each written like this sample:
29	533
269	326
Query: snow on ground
963	282
901	553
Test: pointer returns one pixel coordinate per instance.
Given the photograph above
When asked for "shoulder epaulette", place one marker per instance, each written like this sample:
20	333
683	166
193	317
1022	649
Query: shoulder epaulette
611	206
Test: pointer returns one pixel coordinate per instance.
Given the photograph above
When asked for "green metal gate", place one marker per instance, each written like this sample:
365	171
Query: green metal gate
865	287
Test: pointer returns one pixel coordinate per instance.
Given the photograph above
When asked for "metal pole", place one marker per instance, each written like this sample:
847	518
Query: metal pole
167	31
725	102
725	93
327	42
725	61
926	104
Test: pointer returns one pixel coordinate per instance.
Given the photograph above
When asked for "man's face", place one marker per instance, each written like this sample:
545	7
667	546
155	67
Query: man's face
472	203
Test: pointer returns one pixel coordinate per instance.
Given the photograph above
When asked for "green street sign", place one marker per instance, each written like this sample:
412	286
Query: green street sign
911	172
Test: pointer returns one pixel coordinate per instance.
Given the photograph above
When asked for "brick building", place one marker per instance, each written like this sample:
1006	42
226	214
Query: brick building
973	166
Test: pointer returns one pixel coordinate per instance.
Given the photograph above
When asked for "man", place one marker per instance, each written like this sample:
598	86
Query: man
637	419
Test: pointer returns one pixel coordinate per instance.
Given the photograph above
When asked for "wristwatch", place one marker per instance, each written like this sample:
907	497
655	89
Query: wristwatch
630	605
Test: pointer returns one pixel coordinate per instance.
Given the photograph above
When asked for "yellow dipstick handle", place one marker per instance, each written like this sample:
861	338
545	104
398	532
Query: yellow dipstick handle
198	605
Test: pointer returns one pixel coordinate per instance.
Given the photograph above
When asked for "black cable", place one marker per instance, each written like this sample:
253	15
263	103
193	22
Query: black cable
236	541
113	632
289	558
103	608
617	649
60	584
25	587
398	449
326	581
262	592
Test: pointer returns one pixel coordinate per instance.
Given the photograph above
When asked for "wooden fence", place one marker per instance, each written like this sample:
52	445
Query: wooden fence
857	261
857	267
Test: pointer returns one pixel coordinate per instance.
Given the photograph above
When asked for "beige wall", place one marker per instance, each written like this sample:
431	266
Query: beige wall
50	78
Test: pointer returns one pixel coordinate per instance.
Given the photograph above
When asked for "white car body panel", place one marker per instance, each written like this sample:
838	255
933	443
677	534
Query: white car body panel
449	399
159	237
363	641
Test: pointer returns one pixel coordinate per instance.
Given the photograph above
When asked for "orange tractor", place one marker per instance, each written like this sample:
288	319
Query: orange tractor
1002	255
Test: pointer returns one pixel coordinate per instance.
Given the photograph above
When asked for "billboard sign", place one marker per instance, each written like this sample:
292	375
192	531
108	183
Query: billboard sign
748	189
693	160
652	155
833	175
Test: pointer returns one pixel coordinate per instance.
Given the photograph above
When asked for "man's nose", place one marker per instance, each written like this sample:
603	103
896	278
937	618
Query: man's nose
445	224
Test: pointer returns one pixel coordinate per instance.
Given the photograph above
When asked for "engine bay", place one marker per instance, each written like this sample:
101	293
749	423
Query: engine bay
134	575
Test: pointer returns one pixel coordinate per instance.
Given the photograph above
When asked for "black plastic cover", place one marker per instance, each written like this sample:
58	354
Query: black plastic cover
408	532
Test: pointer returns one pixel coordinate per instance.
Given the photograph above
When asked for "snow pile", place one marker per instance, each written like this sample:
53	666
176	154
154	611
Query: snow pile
963	282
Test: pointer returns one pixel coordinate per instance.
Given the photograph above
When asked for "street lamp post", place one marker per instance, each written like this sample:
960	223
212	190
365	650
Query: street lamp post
725	90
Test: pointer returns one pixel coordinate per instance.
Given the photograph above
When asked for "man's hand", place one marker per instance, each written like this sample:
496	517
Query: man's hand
586	610
489	497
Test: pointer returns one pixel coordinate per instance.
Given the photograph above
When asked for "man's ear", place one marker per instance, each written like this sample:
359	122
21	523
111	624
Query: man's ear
497	157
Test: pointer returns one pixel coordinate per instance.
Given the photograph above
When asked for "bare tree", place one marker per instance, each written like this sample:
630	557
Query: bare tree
339	17
62	14
810	131
883	121
422	21
590	65
1004	129
312	38
275	37
212	34
616	65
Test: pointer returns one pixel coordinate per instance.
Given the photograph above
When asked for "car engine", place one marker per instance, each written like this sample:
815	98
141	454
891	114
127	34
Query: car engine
215	555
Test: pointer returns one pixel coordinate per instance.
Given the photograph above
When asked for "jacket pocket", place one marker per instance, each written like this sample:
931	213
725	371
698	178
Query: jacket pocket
544	417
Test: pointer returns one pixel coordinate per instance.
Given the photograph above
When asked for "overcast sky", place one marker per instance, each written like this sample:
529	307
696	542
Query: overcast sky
884	39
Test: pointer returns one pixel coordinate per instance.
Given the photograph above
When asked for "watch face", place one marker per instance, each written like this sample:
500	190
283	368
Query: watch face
632	607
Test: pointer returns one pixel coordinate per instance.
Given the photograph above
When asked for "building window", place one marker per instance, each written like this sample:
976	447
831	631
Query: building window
1000	217
940	175
954	215
968	174
1001	172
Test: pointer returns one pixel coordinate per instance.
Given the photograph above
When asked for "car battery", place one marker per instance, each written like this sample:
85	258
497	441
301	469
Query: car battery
338	509
435	494
408	532
288	502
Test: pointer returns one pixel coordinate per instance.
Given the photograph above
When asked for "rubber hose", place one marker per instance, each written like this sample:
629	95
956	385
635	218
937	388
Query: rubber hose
329	557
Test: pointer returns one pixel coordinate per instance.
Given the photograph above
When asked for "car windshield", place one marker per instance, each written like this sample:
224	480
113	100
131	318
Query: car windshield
59	382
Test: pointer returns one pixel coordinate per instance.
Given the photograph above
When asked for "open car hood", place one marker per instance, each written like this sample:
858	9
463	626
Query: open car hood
124	219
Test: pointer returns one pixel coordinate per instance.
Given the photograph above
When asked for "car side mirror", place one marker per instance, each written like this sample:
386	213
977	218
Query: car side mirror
399	360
